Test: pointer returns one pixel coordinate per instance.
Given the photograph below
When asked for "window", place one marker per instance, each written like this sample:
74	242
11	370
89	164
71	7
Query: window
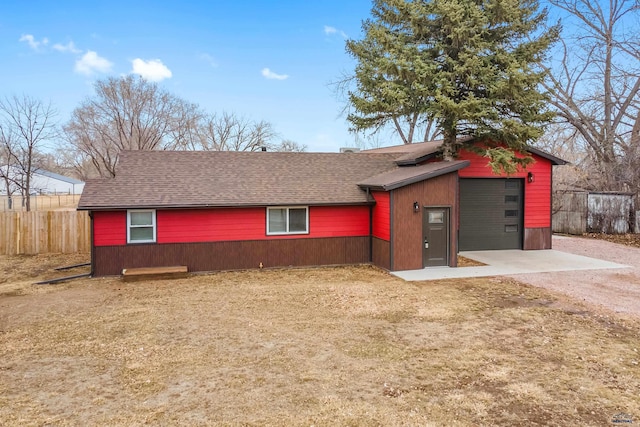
510	199
141	226
511	228
511	184
510	213
436	217
288	220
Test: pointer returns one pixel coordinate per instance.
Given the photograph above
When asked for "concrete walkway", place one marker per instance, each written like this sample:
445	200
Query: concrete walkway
508	262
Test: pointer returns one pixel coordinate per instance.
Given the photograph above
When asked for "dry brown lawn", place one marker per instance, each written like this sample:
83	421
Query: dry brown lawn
44	202
327	346
630	239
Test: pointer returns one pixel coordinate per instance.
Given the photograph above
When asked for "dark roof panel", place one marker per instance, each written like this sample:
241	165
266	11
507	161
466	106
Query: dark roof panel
416	153
411	174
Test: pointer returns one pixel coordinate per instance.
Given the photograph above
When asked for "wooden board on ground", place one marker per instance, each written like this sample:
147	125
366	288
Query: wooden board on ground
174	272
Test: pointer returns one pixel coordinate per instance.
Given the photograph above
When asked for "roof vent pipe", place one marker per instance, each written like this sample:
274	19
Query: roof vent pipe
263	148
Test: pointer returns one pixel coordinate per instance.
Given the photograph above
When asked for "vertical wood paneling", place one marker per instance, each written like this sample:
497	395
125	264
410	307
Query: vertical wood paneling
44	232
381	253
537	238
233	255
407	224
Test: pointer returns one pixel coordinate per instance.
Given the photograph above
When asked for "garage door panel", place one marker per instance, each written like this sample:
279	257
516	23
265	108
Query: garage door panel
491	214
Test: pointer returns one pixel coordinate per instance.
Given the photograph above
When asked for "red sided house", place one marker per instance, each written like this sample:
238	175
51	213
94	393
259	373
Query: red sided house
397	207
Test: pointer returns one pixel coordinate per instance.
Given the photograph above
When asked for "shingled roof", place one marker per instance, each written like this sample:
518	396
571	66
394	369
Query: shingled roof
173	179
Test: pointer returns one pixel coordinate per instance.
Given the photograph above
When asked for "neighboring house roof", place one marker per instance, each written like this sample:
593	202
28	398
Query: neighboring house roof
421	151
59	177
411	174
17	171
166	179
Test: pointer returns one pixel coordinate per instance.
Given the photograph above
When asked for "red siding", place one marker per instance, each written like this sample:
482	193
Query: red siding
180	226
217	225
537	195
338	221
381	215
109	228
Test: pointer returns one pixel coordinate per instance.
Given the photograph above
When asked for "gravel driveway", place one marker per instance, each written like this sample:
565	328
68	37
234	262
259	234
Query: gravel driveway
617	290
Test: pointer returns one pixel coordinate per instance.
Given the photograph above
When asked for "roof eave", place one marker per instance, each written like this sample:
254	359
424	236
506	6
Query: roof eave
557	161
419	178
218	206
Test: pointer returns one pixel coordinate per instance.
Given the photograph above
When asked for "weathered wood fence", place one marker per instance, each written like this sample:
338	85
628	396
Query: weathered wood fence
578	212
44	232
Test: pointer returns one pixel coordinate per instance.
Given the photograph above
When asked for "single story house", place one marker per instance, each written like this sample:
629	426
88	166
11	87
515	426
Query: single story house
398	207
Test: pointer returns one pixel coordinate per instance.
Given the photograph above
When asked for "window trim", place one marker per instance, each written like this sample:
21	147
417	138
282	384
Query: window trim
153	226
287	232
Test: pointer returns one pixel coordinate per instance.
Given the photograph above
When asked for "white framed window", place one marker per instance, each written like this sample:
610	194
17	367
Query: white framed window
288	220
141	226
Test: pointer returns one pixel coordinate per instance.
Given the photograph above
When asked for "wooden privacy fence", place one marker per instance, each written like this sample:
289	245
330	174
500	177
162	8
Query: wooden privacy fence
570	211
577	212
44	232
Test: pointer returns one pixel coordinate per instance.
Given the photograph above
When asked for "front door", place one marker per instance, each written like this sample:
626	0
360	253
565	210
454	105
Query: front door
435	242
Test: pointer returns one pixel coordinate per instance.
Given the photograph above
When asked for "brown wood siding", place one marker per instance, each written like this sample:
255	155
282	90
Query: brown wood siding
407	225
233	255
537	238
381	254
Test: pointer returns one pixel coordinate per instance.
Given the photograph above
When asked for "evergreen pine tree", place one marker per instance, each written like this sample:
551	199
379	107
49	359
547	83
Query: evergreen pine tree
470	65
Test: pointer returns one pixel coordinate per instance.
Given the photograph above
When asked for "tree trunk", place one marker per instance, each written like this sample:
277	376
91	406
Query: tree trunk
449	148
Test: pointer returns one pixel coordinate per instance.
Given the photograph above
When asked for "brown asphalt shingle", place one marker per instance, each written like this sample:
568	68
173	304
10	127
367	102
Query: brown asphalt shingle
157	179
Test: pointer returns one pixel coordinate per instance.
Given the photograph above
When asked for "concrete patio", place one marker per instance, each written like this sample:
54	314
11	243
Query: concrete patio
508	262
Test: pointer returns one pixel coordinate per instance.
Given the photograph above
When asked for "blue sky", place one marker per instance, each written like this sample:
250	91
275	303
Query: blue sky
263	60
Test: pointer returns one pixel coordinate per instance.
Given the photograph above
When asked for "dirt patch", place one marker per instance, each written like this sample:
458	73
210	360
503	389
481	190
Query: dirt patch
327	346
622	239
468	262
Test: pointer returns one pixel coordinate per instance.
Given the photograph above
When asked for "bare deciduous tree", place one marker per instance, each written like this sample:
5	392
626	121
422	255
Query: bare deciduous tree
25	125
409	128
228	132
291	146
6	160
129	113
595	84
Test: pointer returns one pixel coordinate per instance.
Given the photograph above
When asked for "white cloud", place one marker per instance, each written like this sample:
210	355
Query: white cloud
210	59
33	43
328	30
69	47
153	70
273	76
92	63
